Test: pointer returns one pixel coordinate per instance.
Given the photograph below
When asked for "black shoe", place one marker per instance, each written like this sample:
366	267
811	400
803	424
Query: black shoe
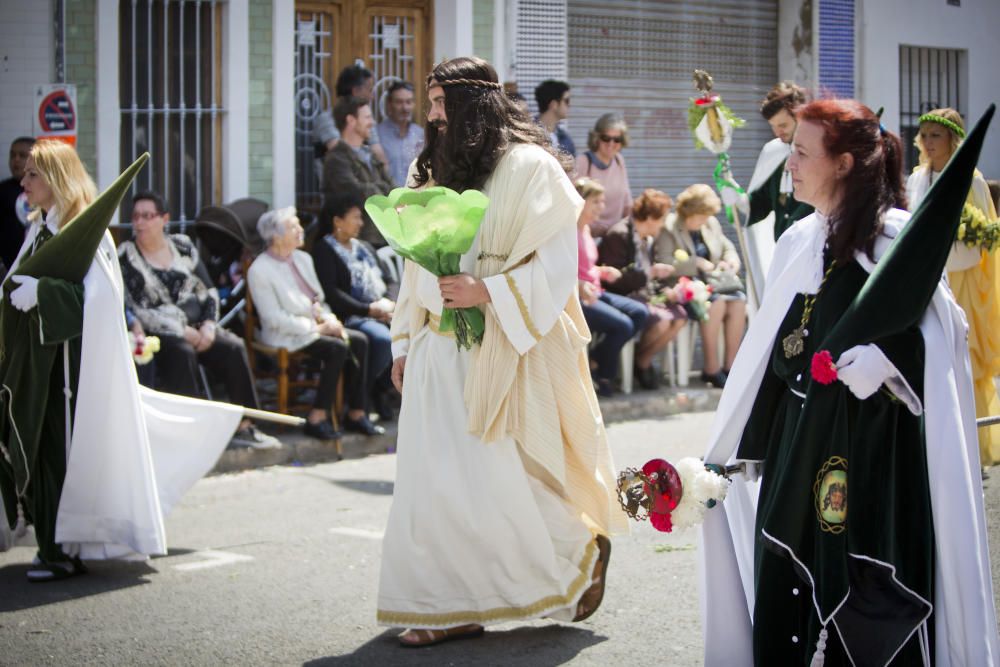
647	378
716	379
323	430
363	426
605	389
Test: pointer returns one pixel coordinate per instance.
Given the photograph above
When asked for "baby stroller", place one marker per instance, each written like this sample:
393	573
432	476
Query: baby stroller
227	240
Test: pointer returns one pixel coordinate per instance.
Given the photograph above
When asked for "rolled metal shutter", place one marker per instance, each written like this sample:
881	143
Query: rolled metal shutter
637	58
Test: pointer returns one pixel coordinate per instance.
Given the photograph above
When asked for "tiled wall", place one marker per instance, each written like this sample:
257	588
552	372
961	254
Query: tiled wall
260	139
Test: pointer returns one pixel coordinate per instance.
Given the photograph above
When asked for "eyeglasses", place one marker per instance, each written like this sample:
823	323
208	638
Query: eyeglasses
619	139
147	215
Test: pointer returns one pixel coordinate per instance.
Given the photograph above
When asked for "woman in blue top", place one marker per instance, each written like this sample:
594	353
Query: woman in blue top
356	287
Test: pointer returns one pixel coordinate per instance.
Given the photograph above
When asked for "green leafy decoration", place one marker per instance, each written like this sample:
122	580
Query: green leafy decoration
434	227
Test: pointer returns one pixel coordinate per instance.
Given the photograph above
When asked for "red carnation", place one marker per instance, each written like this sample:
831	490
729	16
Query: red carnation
823	369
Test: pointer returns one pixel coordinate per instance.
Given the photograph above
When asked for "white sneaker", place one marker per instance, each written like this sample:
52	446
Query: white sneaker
253	438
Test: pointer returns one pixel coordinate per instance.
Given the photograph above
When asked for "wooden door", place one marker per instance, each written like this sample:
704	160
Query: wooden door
393	38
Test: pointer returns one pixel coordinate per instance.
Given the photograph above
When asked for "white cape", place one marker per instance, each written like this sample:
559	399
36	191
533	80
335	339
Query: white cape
964	616
133	451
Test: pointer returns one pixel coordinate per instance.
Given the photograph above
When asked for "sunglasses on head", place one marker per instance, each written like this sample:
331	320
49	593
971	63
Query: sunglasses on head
617	139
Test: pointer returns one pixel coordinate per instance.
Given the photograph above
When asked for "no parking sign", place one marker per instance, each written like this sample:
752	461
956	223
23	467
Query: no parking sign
55	112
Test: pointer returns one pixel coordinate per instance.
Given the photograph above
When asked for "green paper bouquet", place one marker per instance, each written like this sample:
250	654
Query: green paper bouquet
434	227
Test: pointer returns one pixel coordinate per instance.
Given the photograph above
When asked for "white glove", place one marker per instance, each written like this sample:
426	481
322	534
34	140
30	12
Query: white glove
25	297
730	197
864	368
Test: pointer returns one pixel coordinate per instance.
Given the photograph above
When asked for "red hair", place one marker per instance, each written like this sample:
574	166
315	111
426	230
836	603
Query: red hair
875	182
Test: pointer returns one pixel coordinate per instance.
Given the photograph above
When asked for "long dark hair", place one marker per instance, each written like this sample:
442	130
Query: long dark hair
874	184
482	124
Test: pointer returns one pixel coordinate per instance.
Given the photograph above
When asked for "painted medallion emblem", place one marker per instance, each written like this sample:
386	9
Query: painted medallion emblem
830	494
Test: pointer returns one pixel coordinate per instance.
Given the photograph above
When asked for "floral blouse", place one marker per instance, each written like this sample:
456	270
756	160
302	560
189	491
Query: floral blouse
167	300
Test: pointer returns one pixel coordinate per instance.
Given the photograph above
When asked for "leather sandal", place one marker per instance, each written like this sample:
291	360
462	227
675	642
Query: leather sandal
594	595
418	638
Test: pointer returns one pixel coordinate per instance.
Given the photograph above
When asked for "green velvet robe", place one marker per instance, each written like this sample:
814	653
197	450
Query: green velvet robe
853	481
768	197
33	365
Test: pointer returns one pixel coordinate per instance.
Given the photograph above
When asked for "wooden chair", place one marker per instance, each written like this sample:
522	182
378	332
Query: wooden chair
293	373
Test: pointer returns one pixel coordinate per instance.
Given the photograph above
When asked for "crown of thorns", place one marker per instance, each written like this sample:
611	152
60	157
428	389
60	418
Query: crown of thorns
469	82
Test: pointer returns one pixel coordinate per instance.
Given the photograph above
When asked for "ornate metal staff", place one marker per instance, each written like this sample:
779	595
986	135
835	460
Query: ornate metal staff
712	124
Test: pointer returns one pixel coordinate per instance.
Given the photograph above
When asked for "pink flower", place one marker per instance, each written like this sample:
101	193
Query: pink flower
823	369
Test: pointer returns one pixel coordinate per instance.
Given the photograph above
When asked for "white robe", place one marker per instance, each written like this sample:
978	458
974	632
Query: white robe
133	451
964	617
473	536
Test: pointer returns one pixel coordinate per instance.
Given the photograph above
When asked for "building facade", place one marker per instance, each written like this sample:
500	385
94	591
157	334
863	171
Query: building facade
223	93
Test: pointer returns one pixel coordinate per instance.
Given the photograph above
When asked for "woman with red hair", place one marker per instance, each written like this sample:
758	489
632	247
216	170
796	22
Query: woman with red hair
901	554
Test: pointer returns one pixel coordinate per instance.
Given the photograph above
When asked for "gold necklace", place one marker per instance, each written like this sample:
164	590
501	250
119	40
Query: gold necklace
794	343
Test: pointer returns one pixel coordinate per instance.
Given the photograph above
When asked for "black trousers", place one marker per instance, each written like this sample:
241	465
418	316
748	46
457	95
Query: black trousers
177	367
337	357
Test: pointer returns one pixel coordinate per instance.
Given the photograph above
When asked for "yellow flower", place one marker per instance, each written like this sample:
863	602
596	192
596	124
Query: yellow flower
961	231
681	255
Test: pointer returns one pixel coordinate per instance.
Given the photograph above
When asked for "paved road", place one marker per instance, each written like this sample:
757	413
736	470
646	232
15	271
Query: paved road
280	566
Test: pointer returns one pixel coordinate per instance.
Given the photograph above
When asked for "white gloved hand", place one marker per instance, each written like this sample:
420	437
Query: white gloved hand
25	297
730	197
864	368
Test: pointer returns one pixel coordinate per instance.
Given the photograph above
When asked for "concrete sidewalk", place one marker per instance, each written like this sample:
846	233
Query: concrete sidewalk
300	449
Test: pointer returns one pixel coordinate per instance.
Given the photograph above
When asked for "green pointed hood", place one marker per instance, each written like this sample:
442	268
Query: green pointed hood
69	253
898	291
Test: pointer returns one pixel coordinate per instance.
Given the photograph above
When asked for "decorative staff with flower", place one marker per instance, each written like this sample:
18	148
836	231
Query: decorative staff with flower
851	394
712	124
973	265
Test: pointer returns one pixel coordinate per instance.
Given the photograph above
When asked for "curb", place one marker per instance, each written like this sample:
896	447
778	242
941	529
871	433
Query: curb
299	449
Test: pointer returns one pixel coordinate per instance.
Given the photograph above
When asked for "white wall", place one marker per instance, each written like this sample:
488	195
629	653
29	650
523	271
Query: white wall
453	28
884	25
283	103
27	58
797	42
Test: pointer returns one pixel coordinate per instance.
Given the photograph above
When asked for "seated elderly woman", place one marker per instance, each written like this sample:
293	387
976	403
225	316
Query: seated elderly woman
628	246
355	286
707	254
168	291
293	314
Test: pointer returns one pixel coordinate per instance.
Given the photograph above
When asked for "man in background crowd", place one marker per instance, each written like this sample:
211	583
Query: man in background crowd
402	139
553	107
352	166
13	207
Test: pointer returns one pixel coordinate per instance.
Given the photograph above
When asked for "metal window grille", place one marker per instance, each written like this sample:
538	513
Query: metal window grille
928	79
314	44
391	46
171	99
542	45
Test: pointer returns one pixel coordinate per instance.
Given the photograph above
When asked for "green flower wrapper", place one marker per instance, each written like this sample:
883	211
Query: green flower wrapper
434	227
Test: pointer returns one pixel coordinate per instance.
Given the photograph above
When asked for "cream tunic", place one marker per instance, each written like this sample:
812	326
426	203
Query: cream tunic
472	537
